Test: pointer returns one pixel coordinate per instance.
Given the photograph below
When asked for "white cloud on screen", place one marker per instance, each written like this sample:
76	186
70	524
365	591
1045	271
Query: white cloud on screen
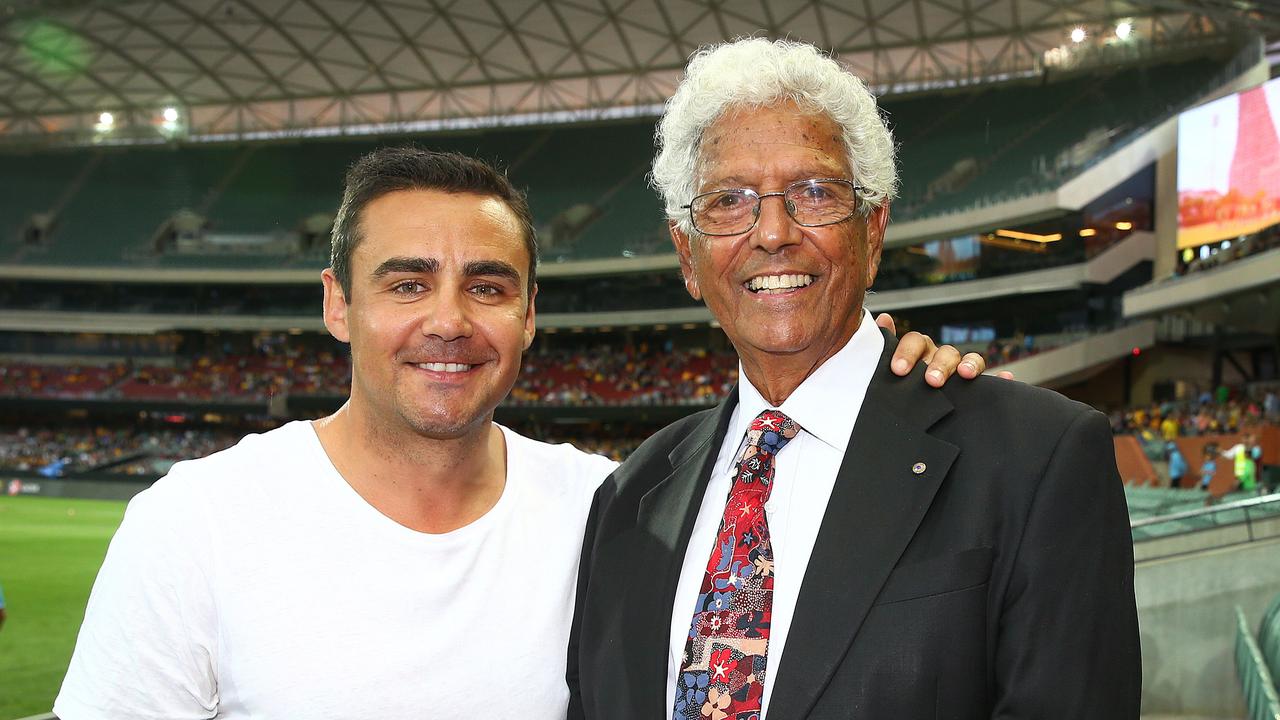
1206	144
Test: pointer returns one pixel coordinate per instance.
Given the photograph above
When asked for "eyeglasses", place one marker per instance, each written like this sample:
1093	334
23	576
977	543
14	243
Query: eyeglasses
811	203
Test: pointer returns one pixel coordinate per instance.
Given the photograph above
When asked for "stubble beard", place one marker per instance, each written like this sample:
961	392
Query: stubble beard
430	420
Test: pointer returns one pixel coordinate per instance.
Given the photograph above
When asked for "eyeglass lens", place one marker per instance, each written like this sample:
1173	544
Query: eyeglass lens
809	202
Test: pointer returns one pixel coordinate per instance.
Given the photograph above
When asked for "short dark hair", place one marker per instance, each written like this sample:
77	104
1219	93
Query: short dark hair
391	169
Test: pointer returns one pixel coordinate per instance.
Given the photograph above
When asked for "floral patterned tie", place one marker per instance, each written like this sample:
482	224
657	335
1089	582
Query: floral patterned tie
723	668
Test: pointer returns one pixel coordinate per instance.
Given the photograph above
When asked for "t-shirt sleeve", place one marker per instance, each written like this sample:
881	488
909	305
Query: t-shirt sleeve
147	648
595	470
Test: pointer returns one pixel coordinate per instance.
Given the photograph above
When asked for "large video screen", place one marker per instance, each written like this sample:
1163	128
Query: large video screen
1229	166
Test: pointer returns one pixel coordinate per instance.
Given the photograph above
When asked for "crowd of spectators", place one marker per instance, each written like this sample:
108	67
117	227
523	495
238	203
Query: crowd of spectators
1211	413
59	381
244	378
608	378
635	374
1228	251
67	451
62	451
1018	347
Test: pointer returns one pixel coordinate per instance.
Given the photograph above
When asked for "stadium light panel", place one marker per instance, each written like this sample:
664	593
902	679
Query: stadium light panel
1032	237
106	120
1124	30
1124	225
1088	232
1078	35
170	115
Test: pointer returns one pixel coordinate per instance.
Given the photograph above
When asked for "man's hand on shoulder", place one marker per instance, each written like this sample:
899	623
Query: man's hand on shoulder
943	361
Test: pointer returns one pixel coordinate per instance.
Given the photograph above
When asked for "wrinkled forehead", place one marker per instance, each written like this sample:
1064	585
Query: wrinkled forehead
777	140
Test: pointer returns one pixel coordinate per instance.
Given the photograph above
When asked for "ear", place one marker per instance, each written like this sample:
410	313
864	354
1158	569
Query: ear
876	224
529	327
335	307
683	252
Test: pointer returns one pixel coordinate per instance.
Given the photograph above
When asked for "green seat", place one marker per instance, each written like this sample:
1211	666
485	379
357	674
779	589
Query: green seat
1269	636
1255	679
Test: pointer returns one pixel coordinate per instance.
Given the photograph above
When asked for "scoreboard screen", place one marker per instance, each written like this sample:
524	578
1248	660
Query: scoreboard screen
1229	166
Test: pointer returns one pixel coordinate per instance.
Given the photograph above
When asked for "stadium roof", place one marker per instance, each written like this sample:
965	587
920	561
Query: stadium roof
245	69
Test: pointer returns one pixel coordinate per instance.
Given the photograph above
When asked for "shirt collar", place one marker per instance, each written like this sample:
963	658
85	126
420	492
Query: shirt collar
845	375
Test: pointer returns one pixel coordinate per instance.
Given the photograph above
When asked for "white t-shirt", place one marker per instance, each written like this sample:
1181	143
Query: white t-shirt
257	583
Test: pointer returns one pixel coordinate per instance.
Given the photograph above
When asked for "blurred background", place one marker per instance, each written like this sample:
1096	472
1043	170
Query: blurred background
1090	198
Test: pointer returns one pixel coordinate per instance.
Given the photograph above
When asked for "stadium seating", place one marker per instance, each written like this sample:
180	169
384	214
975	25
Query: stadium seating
587	183
1269	637
627	376
1251	667
1145	501
1017	135
56	451
59	381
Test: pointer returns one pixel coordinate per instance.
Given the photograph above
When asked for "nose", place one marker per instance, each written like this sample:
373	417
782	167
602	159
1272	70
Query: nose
774	228
446	316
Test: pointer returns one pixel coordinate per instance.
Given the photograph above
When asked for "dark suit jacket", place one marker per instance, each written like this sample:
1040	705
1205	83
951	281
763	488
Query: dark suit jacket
998	583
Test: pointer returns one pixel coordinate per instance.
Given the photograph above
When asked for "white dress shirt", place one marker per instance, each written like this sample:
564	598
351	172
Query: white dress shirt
826	405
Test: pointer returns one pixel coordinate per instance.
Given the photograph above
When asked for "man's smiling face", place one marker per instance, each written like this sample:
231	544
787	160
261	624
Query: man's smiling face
781	290
439	313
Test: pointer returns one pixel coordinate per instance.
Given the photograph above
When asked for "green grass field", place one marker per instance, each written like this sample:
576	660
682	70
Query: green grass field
50	550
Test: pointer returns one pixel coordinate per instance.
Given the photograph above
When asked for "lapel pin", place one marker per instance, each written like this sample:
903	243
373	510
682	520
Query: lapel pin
919	468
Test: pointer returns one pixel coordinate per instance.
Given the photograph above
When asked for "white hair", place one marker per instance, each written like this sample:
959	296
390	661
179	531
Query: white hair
756	72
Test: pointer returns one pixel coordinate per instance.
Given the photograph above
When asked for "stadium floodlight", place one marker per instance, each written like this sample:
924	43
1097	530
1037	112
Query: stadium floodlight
106	120
1124	29
1078	35
1124	225
170	115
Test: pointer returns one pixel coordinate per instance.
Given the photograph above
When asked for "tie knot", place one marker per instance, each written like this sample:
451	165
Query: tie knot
770	431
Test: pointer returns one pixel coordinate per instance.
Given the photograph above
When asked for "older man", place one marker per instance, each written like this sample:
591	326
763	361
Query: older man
833	541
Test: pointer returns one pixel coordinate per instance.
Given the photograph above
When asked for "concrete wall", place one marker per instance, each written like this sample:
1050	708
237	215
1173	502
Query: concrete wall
1185	613
114	489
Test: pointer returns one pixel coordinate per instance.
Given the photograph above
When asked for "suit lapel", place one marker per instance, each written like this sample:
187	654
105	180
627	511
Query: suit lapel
665	517
880	496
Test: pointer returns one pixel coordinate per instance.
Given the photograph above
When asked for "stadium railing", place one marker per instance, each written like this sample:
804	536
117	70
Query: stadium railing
1234	522
272	188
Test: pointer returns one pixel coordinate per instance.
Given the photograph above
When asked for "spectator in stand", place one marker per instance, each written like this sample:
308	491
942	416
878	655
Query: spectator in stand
1209	466
1169	427
1177	465
1244	456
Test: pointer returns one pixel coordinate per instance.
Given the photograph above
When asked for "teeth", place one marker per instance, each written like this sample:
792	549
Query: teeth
445	367
778	282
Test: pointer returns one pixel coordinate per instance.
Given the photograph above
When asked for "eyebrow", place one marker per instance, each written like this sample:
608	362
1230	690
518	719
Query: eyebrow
495	268
419	265
736	181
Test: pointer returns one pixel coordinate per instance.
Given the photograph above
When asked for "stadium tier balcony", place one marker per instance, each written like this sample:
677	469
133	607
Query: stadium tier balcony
1236	286
587	183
